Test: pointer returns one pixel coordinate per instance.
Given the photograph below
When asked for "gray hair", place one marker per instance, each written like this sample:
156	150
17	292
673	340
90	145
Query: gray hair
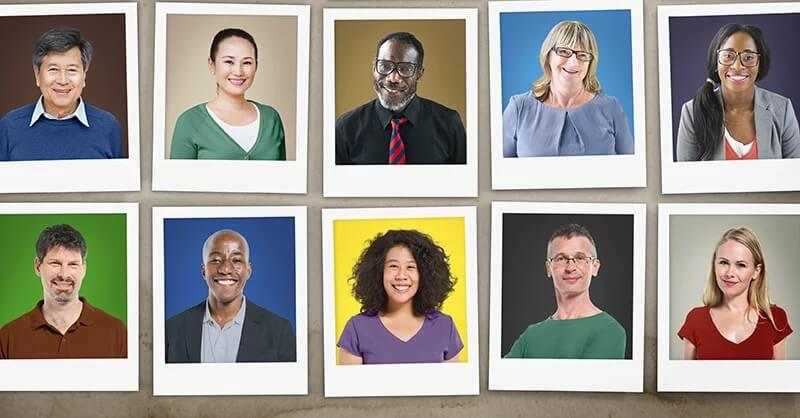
61	40
210	240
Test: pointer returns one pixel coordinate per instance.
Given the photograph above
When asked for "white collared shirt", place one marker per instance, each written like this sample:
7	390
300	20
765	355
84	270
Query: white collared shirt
80	113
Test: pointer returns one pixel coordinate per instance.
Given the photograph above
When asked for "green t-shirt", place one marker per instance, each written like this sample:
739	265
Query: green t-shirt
594	337
197	136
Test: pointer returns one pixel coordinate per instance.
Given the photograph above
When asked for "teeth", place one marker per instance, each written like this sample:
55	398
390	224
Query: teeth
237	82
401	287
737	77
226	282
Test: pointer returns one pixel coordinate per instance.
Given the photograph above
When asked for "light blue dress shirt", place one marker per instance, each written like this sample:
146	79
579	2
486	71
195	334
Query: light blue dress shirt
80	113
221	345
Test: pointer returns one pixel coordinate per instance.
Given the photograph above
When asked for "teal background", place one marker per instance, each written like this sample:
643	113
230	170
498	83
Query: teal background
105	283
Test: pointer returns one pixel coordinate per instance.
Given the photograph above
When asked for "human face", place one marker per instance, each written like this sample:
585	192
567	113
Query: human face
572	278
234	67
400	276
394	91
61	79
735	269
61	272
736	77
226	268
567	71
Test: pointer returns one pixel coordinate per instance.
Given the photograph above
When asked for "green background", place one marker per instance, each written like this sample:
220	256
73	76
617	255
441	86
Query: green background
105	283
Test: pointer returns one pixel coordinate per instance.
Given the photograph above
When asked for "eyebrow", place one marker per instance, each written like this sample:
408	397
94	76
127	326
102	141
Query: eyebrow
231	56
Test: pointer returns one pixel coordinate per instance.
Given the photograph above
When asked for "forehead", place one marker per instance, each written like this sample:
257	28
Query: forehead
574	39
734	250
71	57
740	41
397	51
399	252
61	253
226	243
235	46
573	245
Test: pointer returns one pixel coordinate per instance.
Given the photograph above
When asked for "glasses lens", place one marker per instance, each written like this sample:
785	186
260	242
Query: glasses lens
749	59
726	57
563	52
406	69
384	67
584	56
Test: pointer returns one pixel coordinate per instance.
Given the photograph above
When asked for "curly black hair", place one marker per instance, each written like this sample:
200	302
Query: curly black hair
435	279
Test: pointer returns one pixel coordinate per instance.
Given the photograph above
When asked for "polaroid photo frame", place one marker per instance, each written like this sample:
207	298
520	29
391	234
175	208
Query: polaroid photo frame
677	375
58	176
411	379
109	374
765	175
287	176
282	378
418	180
560	374
596	171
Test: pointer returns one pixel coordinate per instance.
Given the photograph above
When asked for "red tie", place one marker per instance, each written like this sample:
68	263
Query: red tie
397	150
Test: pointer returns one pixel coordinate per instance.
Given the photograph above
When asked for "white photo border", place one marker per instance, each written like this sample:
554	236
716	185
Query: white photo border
231	378
84	374
400	379
418	180
560	374
714	375
714	176
200	175
597	171
106	175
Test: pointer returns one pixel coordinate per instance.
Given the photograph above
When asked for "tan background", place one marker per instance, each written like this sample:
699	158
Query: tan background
692	242
489	404
444	43
188	81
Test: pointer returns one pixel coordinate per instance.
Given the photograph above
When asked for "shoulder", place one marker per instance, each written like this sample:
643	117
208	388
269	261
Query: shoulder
95	113
179	319
19	114
605	101
438	317
779	314
263	315
17	325
193	113
612	323
361	319
354	114
105	320
525	99
697	313
432	106
771	98
266	110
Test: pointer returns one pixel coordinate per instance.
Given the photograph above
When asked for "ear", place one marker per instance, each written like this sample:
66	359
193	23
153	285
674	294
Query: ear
547	269
203	270
36	265
210	66
36	75
595	267
758	272
420	72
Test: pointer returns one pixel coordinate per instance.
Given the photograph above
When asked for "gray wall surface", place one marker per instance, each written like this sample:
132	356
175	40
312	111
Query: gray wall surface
488	404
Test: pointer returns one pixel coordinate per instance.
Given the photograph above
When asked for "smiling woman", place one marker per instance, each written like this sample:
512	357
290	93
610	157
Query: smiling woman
230	127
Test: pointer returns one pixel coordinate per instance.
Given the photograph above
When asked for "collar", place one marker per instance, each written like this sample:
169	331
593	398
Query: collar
411	112
87	316
238	319
80	113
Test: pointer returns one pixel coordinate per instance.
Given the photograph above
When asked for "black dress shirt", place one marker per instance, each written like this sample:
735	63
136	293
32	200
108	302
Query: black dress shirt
433	134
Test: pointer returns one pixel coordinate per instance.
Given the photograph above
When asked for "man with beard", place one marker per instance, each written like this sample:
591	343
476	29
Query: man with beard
399	127
226	327
63	324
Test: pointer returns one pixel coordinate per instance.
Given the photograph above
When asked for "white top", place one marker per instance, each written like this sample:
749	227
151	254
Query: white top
245	135
739	148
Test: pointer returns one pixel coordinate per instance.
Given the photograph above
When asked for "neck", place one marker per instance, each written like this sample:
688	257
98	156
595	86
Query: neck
221	312
738	303
574	306
566	95
395	310
61	315
744	100
59	112
227	101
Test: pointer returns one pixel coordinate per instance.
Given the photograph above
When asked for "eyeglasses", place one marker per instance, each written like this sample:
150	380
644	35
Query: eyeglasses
565	52
728	57
579	260
404	69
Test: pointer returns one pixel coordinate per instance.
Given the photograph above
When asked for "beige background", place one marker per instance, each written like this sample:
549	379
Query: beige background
692	241
444	43
188	81
489	404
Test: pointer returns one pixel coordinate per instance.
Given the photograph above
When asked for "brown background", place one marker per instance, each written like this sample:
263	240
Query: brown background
489	404
106	81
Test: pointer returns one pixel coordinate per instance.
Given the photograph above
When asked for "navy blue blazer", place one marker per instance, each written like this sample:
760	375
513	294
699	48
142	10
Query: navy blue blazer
266	337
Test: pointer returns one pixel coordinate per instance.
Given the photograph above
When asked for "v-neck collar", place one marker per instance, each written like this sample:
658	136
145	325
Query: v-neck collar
214	123
721	335
419	331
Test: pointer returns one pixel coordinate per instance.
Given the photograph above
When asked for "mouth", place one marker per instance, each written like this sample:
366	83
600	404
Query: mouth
62	92
237	81
401	288
571	280
62	285
393	89
729	283
571	71
737	78
226	282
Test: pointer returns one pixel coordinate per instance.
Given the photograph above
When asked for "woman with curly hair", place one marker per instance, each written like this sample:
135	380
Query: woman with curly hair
401	280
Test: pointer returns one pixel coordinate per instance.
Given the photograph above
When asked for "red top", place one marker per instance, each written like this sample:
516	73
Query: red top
730	154
700	330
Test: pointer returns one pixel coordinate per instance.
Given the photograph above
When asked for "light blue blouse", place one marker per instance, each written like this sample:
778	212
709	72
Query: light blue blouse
533	129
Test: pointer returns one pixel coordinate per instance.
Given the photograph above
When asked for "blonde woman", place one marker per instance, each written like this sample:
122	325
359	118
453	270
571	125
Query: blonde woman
738	322
565	112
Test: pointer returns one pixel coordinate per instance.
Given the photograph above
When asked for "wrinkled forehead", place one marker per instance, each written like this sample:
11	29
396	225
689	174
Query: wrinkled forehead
397	51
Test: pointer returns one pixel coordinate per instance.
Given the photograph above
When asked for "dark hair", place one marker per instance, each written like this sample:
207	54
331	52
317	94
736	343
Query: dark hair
60	236
405	38
569	231
62	40
229	33
435	278
707	108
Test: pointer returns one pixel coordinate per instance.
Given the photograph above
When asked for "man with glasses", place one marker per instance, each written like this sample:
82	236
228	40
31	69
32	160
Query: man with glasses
578	329
399	127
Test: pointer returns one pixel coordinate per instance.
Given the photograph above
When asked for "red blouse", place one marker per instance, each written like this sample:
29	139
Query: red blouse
700	330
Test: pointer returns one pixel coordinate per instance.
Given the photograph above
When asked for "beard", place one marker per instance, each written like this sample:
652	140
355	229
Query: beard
393	100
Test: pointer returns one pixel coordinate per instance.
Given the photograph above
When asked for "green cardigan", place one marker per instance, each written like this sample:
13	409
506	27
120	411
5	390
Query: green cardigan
595	337
197	136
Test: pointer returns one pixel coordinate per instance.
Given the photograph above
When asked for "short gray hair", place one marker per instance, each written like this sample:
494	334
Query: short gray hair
61	40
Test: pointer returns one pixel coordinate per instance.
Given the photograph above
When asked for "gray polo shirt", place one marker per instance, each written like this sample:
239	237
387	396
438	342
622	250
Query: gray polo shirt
221	345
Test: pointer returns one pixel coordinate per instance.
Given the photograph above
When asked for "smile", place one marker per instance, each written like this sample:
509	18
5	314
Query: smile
737	78
571	279
226	282
63	92
401	288
571	71
62	284
237	81
392	89
730	283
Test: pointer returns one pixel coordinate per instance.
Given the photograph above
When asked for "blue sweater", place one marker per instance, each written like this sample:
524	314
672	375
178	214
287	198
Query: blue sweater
67	139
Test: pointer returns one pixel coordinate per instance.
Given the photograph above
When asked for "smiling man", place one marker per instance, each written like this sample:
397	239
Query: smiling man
578	329
399	127
63	324
60	125
226	327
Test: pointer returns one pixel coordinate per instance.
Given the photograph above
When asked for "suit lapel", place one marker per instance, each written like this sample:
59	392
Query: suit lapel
250	330
194	334
763	119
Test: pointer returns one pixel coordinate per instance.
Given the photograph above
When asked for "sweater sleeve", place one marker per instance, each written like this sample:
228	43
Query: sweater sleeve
790	138
519	347
608	343
3	140
182	147
510	116
623	138
115	138
687	148
281	137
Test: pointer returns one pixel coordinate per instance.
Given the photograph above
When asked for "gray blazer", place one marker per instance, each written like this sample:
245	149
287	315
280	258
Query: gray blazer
777	132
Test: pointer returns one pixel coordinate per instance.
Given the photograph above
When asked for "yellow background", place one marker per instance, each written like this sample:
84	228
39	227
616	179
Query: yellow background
350	237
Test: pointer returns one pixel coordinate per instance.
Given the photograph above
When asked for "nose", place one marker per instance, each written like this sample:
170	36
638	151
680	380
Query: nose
394	76
226	267
62	77
573	59
737	63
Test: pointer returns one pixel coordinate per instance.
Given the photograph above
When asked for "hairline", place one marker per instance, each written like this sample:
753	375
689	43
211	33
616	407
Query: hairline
211	238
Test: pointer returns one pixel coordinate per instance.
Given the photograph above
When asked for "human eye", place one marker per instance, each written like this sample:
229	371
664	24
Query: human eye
560	259
580	258
749	57
722	262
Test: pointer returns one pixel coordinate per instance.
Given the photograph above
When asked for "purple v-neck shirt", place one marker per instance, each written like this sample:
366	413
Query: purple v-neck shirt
366	336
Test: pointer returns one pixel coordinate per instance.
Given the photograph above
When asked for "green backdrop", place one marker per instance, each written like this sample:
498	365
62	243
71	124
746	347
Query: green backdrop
105	283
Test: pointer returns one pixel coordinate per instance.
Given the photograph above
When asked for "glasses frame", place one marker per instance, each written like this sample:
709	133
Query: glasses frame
573	52
589	260
739	58
395	67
